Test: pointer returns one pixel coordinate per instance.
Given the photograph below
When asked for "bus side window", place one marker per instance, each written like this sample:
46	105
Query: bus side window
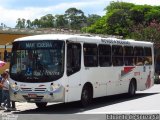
128	56
139	56
90	55
104	55
117	55
73	58
148	56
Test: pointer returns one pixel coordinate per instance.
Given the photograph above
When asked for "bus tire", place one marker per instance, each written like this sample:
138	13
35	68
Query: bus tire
86	96
41	105
132	88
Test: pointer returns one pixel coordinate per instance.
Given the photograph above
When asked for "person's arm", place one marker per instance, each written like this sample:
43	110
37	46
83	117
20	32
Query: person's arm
2	81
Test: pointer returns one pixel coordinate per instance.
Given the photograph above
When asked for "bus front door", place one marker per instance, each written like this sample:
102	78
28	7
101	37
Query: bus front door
73	71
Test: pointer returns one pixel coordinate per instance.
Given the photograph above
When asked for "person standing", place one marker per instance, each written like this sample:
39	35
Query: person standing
5	91
13	102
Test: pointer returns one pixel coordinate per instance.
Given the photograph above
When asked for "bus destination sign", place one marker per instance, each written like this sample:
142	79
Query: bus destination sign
38	45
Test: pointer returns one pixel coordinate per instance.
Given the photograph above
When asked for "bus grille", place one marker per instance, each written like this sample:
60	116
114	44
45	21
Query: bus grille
36	99
33	90
26	89
40	89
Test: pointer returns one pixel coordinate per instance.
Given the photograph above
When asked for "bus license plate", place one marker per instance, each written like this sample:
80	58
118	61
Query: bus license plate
32	95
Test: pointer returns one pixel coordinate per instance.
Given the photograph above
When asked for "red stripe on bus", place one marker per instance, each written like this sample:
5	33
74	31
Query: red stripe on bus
128	69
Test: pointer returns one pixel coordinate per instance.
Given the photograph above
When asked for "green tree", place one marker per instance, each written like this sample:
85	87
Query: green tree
23	23
119	21
122	17
118	5
47	21
76	18
153	14
61	21
20	23
116	21
29	23
147	33
91	19
36	23
99	27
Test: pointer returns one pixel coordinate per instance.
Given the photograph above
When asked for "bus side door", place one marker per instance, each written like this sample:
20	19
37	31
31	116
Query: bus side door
73	70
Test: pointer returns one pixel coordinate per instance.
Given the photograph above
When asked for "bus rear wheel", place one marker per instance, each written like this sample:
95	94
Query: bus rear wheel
132	88
86	96
41	105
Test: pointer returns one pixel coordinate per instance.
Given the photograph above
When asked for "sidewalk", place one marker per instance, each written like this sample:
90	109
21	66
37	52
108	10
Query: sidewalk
22	106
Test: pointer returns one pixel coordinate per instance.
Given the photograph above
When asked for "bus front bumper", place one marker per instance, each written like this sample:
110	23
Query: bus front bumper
48	96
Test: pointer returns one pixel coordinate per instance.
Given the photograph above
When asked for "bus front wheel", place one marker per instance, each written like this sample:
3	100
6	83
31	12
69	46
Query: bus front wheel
86	96
41	105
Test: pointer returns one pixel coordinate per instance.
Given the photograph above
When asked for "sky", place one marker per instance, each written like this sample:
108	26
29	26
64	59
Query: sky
11	10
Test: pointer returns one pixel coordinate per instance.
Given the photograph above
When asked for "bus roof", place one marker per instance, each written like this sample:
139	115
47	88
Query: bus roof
85	39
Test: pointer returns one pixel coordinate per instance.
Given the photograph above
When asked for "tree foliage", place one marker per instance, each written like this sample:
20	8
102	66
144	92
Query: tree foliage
21	23
98	27
47	21
147	33
124	19
92	19
73	18
128	20
61	21
117	20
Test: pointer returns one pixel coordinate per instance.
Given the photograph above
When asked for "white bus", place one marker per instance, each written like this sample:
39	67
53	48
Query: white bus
66	68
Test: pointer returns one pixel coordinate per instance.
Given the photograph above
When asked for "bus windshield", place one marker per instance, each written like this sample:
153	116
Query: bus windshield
37	61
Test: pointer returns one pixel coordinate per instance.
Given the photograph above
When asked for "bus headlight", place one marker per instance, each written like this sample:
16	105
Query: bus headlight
14	86
53	87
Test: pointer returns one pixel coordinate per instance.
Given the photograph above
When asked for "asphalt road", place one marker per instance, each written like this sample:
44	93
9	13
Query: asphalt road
144	102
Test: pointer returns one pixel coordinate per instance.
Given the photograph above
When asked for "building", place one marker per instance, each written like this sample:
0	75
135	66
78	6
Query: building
6	40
